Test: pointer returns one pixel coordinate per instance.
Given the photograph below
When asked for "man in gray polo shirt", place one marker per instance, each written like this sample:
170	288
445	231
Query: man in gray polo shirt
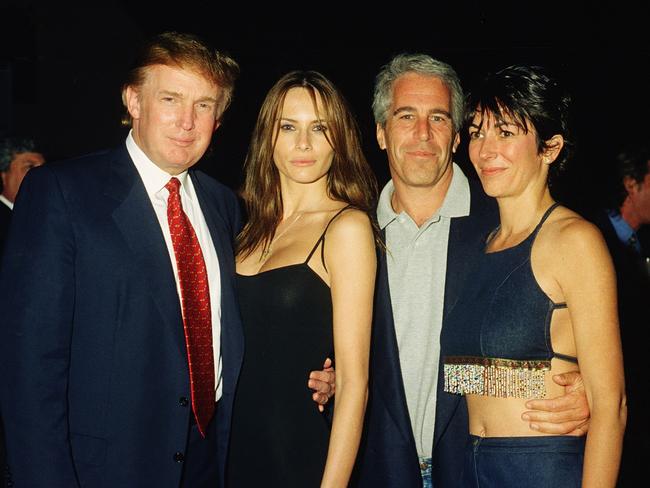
432	218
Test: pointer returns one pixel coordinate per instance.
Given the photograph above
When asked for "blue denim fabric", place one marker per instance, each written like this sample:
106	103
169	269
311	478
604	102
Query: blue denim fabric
425	469
531	462
502	311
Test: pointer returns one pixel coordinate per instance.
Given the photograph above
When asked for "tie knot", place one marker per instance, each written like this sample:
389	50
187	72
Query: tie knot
173	185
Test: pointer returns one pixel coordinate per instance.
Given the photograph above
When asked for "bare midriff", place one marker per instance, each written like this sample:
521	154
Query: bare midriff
501	417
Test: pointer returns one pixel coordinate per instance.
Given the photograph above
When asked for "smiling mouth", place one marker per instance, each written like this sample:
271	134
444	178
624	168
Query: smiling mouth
182	142
421	154
491	171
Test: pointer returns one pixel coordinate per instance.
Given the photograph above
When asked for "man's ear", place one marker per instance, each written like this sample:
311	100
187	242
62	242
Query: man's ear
456	142
381	136
630	184
131	98
217	124
553	147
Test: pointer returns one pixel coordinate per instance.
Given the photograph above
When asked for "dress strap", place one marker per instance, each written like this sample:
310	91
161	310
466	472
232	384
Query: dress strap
543	219
565	357
322	239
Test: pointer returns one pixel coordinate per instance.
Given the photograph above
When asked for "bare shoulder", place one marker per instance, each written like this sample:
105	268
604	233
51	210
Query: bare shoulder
350	240
350	223
350	250
571	239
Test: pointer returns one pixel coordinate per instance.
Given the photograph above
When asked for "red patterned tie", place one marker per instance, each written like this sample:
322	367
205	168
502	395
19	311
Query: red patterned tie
195	300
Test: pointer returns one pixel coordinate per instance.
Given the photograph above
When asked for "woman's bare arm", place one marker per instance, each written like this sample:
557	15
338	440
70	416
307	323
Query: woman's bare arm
585	274
351	262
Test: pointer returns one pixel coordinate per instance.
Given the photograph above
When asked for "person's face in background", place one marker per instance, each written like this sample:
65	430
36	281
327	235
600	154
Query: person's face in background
18	168
418	134
302	153
638	199
174	115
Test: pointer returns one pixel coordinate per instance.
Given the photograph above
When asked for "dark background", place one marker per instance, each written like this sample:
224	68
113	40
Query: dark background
61	66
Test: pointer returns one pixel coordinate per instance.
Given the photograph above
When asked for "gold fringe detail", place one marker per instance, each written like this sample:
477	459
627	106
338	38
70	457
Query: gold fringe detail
495	377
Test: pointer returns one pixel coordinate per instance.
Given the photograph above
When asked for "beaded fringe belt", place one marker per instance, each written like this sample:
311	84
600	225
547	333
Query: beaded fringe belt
495	377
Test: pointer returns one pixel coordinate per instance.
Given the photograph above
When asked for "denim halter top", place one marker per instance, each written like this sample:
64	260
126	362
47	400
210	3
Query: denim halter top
496	340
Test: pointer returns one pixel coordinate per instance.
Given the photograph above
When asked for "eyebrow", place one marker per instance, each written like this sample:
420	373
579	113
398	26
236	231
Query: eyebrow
408	108
296	121
498	123
179	95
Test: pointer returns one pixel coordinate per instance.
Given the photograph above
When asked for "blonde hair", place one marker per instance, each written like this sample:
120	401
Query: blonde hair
185	51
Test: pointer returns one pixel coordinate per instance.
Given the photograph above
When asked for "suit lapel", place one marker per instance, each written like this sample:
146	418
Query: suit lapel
465	245
136	219
457	264
386	363
221	237
221	231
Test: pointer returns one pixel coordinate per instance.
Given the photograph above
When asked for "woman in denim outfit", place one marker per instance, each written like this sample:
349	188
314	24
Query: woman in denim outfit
542	299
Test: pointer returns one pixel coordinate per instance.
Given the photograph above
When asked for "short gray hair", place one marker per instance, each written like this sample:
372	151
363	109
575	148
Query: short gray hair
12	146
421	64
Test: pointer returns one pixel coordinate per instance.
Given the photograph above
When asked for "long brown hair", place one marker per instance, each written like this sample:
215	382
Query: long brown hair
350	178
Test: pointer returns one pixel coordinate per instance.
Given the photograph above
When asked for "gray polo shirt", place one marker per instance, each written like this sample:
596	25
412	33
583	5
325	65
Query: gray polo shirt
417	263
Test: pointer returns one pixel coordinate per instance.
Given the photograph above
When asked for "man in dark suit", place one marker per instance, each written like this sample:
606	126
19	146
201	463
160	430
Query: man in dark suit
119	266
627	212
17	157
433	220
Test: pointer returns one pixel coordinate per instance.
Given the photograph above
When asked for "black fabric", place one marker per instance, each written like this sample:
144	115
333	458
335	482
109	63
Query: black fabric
633	284
279	438
199	467
5	218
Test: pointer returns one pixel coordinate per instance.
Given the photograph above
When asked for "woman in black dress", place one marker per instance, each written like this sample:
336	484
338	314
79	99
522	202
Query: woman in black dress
306	268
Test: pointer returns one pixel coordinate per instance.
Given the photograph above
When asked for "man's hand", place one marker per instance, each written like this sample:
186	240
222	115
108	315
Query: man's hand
564	415
323	383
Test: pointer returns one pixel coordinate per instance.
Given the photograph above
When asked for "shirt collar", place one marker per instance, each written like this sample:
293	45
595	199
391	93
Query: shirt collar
153	177
624	232
6	201
456	203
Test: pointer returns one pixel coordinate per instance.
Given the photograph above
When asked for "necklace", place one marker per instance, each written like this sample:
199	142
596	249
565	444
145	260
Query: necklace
268	250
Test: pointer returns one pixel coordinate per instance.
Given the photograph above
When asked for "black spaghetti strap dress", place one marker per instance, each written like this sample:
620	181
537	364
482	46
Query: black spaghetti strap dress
278	436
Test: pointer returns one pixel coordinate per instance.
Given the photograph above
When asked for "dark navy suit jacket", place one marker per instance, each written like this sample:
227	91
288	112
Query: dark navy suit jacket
92	350
633	284
388	456
5	219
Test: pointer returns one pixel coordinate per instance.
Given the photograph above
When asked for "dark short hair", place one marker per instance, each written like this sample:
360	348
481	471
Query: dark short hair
184	51
10	147
633	161
532	98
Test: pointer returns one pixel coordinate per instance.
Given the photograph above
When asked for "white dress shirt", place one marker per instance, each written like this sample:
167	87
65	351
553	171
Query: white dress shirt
7	202
154	180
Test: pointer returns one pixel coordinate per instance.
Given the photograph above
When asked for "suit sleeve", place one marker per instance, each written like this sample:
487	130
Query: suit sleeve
37	300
